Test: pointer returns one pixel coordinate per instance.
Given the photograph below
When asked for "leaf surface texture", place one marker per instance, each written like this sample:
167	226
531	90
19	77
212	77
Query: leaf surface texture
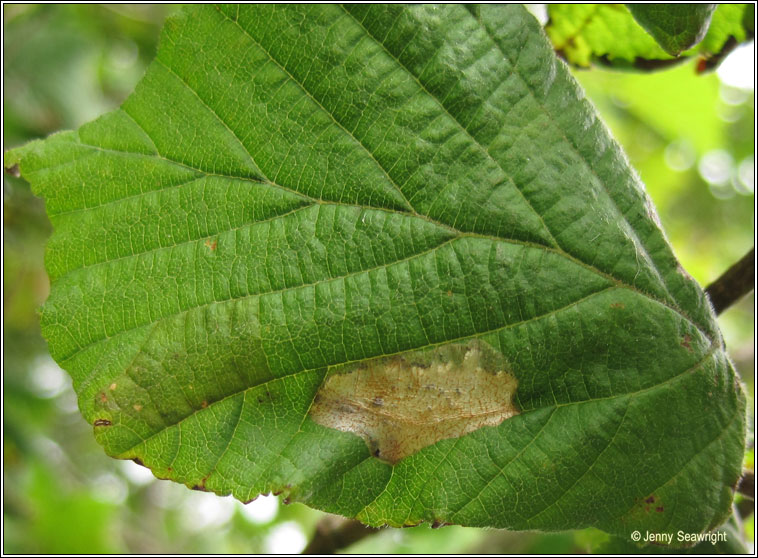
294	191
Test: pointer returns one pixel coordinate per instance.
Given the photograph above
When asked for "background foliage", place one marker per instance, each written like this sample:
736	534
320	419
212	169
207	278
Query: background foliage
689	136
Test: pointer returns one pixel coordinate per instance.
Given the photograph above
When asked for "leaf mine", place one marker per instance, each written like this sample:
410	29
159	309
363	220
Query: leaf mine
403	403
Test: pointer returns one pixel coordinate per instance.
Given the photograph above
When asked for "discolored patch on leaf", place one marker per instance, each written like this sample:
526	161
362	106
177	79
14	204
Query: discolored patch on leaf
403	403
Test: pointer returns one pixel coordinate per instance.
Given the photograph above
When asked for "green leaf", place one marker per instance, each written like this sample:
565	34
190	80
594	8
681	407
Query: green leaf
298	192
676	27
608	34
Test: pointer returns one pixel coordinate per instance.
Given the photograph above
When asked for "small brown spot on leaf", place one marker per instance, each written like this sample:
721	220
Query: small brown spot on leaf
686	342
211	244
650	499
201	486
137	407
102	422
618	305
103	398
286	501
449	293
204	404
112	387
659	509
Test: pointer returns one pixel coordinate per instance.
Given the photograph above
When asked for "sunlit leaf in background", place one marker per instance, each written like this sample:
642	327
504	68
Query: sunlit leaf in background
608	34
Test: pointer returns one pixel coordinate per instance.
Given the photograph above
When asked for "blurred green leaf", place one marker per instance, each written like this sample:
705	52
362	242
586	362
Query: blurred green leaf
67	64
57	515
725	540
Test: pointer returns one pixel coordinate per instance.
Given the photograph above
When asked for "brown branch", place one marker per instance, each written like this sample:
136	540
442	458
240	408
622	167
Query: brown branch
736	282
335	533
746	486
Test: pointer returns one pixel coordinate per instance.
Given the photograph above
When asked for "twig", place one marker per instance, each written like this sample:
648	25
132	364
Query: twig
746	486
335	533
736	282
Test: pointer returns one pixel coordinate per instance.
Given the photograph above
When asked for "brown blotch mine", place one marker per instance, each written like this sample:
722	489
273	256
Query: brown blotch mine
403	403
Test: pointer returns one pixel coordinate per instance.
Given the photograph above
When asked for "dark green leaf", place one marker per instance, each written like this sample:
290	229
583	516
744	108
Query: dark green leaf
294	192
676	27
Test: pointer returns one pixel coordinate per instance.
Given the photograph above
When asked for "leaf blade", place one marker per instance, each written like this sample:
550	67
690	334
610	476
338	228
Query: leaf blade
514	219
675	27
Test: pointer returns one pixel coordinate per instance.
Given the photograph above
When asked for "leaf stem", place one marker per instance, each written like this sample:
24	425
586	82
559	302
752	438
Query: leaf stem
734	283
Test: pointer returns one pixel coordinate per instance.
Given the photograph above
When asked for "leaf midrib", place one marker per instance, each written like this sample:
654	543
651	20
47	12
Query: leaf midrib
558	250
315	201
458	236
